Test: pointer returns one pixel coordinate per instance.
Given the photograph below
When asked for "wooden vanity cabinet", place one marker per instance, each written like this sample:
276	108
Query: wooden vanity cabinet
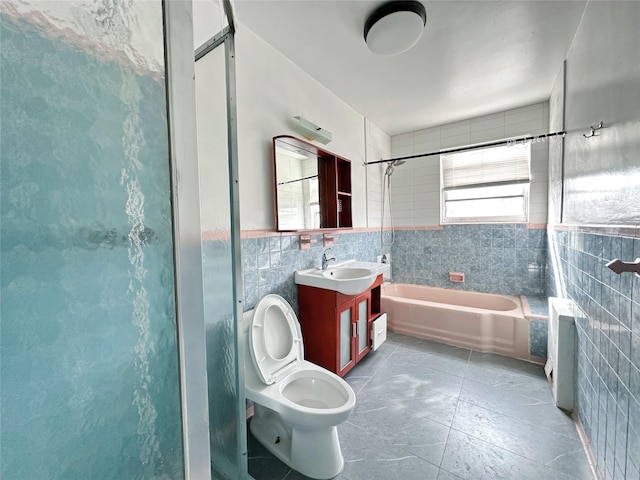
336	328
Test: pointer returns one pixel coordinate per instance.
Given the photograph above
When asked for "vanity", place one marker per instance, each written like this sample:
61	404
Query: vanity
336	326
339	302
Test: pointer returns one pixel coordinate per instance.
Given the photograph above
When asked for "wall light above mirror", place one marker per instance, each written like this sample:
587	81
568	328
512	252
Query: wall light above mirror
311	131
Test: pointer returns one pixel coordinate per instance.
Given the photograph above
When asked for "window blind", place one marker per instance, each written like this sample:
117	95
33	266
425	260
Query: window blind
486	166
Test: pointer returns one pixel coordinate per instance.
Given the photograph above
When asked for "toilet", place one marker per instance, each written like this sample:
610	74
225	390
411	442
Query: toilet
297	404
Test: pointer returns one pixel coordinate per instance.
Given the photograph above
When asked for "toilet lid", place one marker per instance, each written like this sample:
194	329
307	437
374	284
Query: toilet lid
275	339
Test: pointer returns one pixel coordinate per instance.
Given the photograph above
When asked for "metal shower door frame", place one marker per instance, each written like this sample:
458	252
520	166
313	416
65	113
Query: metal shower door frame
185	194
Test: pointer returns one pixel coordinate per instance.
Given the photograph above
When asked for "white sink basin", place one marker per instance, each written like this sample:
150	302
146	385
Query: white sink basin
349	277
346	273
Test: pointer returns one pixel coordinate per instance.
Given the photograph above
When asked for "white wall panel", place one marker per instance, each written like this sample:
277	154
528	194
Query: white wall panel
421	176
378	147
271	90
602	174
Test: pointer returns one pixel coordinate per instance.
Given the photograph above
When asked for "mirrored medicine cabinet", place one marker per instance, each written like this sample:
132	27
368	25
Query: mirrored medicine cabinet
312	186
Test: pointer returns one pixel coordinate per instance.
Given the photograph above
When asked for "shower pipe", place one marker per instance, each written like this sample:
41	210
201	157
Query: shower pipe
509	142
387	175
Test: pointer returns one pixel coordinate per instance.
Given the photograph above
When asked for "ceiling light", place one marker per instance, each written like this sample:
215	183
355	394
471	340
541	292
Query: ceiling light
395	27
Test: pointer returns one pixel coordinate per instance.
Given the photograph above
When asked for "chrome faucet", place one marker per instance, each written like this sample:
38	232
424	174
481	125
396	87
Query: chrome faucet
325	260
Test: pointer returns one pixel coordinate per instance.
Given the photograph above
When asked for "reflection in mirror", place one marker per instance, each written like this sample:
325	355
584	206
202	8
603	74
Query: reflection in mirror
297	195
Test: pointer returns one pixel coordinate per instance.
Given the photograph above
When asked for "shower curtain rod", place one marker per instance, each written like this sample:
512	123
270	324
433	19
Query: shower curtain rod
510	141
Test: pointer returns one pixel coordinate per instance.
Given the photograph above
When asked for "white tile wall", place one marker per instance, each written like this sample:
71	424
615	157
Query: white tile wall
415	186
378	147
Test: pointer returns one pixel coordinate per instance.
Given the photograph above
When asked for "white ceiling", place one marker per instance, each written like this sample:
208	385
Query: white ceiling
474	58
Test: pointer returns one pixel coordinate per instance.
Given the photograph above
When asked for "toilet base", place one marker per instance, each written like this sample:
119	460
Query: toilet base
313	452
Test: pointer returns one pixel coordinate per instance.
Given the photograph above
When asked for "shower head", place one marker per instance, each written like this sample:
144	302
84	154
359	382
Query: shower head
389	170
395	163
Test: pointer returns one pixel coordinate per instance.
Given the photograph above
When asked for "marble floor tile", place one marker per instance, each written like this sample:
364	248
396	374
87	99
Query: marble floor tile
403	387
428	411
454	362
411	345
370	454
513	365
536	443
444	475
383	465
474	459
263	465
519	407
357	382
402	428
531	385
437	407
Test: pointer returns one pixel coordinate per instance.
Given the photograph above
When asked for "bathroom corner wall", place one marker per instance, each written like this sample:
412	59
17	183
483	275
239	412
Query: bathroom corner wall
496	258
415	186
600	218
271	91
505	258
608	328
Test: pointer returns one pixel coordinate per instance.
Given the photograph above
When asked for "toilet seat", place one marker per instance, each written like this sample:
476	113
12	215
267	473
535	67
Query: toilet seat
275	339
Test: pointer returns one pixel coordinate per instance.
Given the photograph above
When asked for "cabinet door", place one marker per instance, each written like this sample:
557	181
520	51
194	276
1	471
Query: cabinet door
363	307
346	327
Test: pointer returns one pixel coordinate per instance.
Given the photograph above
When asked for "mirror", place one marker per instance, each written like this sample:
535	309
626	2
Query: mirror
297	192
312	186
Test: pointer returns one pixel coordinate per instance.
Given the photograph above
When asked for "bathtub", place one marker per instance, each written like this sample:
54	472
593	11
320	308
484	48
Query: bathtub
479	321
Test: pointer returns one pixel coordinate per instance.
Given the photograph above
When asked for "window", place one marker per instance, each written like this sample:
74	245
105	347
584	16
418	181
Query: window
486	185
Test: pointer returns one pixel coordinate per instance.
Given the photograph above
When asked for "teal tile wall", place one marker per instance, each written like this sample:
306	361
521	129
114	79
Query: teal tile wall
420	257
269	263
538	337
608	332
507	258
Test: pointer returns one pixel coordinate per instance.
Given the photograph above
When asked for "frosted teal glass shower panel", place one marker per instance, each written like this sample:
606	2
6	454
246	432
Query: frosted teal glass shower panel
89	362
226	402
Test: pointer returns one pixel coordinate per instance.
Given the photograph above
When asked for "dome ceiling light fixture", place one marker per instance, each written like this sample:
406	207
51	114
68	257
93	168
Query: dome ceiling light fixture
394	27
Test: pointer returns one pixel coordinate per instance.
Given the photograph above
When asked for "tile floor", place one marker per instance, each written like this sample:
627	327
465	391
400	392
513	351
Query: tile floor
428	411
